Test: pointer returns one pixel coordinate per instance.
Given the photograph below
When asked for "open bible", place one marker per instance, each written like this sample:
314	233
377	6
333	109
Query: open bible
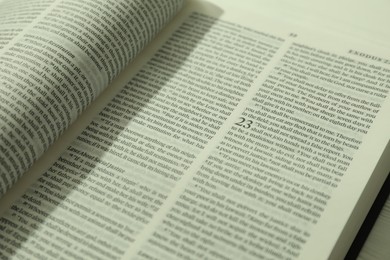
170	129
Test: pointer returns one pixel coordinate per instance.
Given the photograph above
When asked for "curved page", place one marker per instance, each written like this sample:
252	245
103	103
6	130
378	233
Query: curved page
55	58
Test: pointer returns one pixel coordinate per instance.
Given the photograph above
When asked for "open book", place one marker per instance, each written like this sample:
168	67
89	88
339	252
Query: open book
164	129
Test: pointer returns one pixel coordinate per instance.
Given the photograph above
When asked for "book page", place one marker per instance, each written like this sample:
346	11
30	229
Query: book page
15	16
288	163
56	57
221	146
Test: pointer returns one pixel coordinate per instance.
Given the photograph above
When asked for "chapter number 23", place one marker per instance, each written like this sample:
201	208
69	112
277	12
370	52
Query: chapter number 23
245	123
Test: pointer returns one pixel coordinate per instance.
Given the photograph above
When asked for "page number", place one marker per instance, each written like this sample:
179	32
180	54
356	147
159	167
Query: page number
293	35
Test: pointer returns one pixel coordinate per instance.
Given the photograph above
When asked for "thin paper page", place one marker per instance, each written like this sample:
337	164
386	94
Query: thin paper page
306	140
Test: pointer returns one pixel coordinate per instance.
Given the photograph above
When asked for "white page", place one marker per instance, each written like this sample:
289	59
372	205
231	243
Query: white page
56	62
347	194
361	19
